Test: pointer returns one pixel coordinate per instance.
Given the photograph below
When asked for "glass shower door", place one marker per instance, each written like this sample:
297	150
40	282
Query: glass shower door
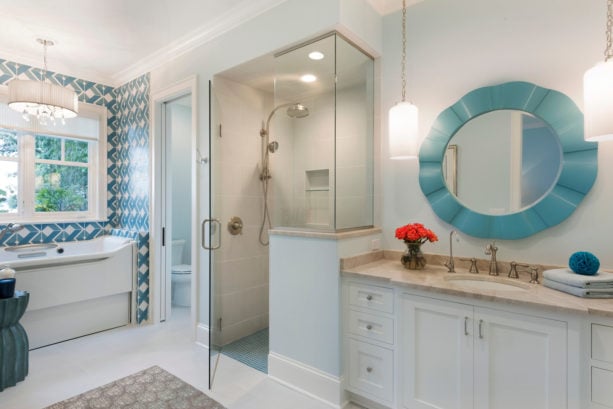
211	236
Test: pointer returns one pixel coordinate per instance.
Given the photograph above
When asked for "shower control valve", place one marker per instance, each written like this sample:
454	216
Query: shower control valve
235	226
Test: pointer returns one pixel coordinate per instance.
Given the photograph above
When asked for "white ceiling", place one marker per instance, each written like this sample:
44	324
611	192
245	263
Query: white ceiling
112	41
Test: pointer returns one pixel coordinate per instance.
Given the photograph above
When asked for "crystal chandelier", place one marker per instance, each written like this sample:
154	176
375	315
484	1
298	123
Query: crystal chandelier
40	99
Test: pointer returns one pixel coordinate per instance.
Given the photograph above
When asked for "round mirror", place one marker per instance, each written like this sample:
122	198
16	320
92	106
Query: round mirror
532	203
502	161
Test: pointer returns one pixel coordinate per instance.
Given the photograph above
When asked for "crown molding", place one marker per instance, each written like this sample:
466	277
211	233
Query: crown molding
234	17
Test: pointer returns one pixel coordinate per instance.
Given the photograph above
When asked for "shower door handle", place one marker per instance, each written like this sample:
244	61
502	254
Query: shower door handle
215	224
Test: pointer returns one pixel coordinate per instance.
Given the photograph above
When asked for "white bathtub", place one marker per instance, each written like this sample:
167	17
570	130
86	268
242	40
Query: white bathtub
86	287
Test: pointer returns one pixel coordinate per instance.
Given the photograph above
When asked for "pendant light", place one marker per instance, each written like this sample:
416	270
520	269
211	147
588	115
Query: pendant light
402	117
598	92
41	99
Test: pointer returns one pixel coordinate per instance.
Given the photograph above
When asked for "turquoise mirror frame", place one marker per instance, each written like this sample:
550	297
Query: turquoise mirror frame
579	164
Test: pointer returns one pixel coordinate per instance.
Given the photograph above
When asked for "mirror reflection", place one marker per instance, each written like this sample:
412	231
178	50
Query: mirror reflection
502	162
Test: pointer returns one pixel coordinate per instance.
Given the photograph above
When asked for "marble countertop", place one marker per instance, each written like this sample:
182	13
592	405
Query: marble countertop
386	267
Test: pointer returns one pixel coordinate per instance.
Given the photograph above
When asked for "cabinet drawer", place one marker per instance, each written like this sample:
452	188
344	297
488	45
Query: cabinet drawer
602	343
373	297
371	369
602	380
371	326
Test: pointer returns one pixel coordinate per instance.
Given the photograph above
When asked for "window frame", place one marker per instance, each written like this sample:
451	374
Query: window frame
97	172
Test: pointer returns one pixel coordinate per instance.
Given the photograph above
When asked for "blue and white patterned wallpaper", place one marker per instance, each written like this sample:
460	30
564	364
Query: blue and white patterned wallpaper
129	176
127	168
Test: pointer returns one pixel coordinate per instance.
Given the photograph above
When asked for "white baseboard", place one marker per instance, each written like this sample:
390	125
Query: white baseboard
365	402
306	379
202	335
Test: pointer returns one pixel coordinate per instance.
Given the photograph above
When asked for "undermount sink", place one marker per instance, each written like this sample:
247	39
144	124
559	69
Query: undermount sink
476	282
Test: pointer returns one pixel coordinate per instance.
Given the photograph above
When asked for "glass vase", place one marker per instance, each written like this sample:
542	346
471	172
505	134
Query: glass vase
413	259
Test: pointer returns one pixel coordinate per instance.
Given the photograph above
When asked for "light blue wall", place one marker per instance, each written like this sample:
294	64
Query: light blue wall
305	298
484	42
305	301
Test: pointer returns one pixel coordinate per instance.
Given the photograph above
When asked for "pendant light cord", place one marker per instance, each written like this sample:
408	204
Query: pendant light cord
45	44
608	52
403	62
44	59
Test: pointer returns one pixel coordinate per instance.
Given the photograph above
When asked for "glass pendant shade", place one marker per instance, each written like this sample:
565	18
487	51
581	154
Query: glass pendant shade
402	131
598	102
42	99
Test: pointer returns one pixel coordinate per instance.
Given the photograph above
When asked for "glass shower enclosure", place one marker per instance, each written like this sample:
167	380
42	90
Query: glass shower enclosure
324	174
291	147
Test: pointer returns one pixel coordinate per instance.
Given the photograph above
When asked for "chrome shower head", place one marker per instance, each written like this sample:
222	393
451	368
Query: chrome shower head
297	111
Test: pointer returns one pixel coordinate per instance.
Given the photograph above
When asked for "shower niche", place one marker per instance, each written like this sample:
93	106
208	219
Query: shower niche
324	164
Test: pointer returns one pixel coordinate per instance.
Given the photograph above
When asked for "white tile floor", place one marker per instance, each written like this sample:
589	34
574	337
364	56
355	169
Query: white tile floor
60	371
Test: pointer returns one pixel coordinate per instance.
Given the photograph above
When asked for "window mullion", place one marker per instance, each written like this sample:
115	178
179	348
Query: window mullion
26	170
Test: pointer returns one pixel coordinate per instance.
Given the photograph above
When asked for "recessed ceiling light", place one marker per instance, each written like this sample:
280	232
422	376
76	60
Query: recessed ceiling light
316	55
308	78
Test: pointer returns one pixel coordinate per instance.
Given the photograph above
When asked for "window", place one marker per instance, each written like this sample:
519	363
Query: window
53	173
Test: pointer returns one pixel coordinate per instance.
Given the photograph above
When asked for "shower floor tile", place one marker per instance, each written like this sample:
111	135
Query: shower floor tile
251	350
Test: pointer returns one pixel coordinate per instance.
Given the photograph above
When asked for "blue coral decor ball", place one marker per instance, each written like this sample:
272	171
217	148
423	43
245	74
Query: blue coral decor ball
585	263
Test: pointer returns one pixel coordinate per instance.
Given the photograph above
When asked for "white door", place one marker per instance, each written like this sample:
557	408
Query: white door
520	361
438	354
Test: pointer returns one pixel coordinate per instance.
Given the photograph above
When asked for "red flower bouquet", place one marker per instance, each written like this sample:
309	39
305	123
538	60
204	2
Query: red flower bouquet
414	235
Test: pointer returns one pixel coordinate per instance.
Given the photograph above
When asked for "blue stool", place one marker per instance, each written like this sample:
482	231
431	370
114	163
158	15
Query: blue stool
13	340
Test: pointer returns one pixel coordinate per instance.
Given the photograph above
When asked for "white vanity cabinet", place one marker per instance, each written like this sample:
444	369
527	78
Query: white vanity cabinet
601	364
457	355
369	339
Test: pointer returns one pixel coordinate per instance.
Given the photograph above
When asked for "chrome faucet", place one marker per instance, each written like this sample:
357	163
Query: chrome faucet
10	228
491	249
450	264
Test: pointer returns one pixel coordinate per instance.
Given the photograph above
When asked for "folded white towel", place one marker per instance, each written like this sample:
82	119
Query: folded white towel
579	292
567	276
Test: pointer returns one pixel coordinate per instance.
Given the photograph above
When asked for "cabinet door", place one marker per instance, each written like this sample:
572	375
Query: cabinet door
437	345
371	370
520	361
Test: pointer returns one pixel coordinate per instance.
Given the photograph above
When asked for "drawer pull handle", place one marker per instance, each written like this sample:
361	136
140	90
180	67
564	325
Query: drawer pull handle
369	369
481	329
369	327
369	297
465	325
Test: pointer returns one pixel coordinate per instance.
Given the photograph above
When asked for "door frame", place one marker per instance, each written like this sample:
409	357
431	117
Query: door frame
181	88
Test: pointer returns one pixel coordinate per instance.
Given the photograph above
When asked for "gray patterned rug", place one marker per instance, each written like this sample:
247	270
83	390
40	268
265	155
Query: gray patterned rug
153	388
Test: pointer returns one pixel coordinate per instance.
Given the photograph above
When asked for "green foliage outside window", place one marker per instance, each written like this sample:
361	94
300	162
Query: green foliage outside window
60	170
61	188
8	144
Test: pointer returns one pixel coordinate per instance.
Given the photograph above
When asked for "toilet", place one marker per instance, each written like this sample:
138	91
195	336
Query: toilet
181	276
